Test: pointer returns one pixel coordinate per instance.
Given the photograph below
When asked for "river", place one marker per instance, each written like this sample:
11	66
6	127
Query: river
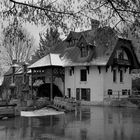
86	123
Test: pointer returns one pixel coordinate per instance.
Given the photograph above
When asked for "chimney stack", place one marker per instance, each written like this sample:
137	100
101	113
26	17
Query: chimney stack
14	61
94	24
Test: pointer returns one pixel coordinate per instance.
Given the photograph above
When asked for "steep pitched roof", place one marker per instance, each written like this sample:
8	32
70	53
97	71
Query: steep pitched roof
102	43
99	52
48	60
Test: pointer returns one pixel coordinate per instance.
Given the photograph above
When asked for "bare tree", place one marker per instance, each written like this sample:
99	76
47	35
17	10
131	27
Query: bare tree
17	44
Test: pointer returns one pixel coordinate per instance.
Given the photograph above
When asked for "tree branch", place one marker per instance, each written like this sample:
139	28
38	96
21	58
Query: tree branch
109	1
96	7
9	9
47	8
125	10
130	11
117	24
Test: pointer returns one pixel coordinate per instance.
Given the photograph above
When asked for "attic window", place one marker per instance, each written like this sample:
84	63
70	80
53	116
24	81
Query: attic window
71	42
84	50
121	55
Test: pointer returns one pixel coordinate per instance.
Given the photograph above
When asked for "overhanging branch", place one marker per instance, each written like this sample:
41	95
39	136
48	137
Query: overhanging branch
112	5
47	8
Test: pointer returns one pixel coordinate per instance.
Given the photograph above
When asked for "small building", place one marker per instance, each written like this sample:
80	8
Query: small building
48	77
16	83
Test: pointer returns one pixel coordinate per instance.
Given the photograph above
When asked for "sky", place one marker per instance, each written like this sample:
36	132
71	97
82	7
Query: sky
34	30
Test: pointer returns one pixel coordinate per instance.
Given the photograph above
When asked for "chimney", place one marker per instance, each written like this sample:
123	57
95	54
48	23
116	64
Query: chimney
25	64
14	61
94	24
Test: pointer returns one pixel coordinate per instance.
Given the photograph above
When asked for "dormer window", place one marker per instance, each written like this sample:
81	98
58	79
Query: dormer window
71	42
84	50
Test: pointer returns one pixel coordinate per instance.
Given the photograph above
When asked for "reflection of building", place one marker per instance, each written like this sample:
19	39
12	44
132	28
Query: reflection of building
105	123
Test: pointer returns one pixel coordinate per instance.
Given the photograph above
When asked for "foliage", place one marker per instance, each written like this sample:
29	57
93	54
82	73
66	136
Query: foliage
76	14
72	13
16	43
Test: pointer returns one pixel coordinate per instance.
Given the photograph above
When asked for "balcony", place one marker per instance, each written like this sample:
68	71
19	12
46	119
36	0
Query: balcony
121	61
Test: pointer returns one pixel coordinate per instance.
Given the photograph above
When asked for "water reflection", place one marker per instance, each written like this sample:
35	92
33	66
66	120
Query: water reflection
86	123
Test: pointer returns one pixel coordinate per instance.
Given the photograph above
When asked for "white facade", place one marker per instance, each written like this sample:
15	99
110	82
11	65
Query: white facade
98	81
117	87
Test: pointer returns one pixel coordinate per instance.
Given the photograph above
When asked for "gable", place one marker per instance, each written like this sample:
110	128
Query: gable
81	42
124	55
72	38
99	52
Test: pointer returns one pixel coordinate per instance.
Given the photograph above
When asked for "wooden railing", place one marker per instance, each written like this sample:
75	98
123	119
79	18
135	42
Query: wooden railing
65	103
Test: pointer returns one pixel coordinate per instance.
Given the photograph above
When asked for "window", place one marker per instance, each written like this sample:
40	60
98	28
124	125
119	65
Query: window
115	75
69	92
70	72
77	93
124	92
84	51
83	75
121	55
109	91
129	92
85	94
121	76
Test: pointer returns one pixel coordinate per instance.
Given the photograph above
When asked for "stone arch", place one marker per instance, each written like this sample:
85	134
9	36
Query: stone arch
129	54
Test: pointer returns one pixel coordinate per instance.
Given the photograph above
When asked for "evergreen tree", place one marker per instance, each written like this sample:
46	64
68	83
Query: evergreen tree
48	41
